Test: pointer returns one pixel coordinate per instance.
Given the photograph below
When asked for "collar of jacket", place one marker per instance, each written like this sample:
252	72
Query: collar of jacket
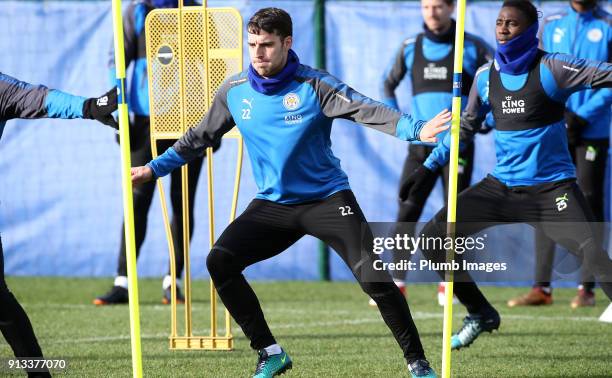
446	37
587	15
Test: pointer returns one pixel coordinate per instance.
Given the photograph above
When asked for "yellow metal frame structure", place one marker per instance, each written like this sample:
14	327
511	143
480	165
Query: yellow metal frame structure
190	52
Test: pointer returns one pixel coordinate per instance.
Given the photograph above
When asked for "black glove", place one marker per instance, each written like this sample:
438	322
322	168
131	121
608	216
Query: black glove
417	186
484	129
101	108
485	126
575	126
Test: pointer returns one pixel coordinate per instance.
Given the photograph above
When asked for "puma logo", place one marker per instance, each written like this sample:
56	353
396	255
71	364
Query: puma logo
249	103
562	202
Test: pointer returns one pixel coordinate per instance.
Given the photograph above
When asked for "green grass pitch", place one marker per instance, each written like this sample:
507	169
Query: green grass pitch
327	328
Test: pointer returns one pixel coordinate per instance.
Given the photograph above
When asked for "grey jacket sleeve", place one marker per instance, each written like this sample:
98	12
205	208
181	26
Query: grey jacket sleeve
217	121
571	74
19	99
338	100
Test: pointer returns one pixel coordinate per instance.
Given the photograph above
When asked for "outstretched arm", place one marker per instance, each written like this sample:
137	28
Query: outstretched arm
217	121
601	100
471	121
435	126
563	74
338	100
19	99
425	176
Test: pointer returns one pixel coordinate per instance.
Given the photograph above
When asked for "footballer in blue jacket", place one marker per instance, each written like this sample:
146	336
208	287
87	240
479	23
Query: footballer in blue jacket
284	111
534	180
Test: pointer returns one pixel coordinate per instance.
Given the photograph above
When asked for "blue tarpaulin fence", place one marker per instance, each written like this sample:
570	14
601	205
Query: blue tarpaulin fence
60	195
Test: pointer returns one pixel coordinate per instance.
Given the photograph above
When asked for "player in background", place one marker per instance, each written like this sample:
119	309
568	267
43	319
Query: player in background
427	60
140	144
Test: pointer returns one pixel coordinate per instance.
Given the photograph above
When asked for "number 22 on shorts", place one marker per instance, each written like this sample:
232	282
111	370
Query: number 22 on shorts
345	210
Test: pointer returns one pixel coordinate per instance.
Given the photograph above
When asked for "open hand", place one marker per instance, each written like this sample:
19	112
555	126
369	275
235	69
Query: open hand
435	126
140	175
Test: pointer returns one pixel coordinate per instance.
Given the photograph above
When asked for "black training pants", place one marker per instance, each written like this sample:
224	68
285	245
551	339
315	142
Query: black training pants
491	202
143	196
266	229
590	157
409	208
15	324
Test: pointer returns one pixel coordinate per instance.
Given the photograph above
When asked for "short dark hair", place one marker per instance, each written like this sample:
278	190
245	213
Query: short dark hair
271	20
526	7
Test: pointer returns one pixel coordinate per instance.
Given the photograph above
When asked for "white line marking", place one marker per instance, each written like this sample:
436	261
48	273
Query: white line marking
416	315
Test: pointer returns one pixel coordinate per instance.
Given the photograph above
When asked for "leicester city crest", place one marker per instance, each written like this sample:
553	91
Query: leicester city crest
291	101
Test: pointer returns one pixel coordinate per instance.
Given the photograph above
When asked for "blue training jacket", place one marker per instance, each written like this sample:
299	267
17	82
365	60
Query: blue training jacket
535	155
585	35
287	133
19	99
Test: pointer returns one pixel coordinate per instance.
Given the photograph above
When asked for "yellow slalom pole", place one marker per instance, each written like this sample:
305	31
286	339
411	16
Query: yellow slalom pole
451	215
128	206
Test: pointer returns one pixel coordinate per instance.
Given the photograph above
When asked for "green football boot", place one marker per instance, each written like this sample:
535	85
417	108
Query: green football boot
421	369
473	326
270	366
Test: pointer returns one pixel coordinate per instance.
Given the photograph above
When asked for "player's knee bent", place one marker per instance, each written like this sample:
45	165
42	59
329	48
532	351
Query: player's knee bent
378	290
221	265
408	212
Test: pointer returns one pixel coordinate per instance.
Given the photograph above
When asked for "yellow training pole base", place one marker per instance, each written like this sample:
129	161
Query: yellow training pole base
202	343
